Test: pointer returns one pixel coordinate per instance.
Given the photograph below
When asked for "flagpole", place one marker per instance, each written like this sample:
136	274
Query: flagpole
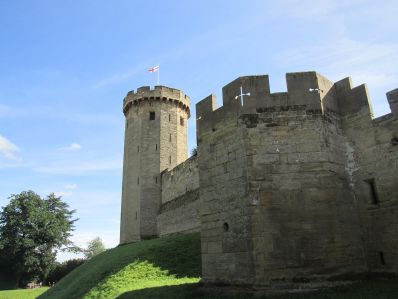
158	74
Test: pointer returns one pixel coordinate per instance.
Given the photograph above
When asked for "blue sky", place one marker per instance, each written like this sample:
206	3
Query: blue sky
65	67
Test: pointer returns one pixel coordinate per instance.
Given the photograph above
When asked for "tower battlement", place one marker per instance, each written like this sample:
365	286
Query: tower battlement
308	90
158	93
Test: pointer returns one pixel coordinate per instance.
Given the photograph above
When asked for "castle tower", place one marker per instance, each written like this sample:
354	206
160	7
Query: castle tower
155	139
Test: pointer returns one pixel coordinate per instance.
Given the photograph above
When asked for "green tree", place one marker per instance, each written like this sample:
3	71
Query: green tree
60	270
95	246
32	230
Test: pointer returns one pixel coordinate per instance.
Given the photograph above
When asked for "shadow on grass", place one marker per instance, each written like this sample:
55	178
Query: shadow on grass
181	291
6	285
369	289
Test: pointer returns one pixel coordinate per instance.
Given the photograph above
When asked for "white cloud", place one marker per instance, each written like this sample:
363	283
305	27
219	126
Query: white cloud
8	149
72	147
120	77
63	193
70	186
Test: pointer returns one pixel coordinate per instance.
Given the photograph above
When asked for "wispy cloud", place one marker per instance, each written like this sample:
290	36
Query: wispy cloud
8	149
82	168
67	192
347	54
71	186
72	147
6	111
370	62
119	77
63	193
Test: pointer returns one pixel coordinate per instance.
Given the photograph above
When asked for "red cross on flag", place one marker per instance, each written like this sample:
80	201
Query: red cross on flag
154	69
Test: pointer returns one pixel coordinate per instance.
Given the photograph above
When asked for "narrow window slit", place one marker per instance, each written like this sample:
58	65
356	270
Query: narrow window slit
373	191
382	259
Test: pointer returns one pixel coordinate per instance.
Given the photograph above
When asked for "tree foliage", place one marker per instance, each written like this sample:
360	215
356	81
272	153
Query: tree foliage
194	151
62	269
32	229
95	246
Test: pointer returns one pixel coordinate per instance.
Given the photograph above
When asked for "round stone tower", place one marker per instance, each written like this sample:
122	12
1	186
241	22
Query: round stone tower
155	139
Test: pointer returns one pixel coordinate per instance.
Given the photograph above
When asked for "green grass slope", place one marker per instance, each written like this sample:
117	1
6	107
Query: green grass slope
154	263
22	293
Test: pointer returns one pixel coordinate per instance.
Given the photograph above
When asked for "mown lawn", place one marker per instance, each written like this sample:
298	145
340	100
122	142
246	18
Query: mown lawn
22	293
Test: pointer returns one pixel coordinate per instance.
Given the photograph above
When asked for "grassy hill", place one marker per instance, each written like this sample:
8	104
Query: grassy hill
170	268
154	263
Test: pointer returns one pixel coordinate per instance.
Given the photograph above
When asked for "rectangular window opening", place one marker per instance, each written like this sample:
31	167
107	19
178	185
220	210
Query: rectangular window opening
170	137
136	216
382	260
138	180
181	121
156	179
373	191
156	147
138	148
169	117
151	115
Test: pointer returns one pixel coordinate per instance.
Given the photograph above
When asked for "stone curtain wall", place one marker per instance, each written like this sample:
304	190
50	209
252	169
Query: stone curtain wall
180	215
179	212
179	180
372	162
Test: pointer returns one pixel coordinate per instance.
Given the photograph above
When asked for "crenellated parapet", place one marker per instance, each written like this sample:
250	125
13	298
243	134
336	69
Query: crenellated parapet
307	91
160	94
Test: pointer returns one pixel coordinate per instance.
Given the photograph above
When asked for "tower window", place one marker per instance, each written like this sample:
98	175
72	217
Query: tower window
138	148
156	147
169	117
373	191
170	137
181	121
382	259
151	115
156	179
394	140
138	180
136	215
